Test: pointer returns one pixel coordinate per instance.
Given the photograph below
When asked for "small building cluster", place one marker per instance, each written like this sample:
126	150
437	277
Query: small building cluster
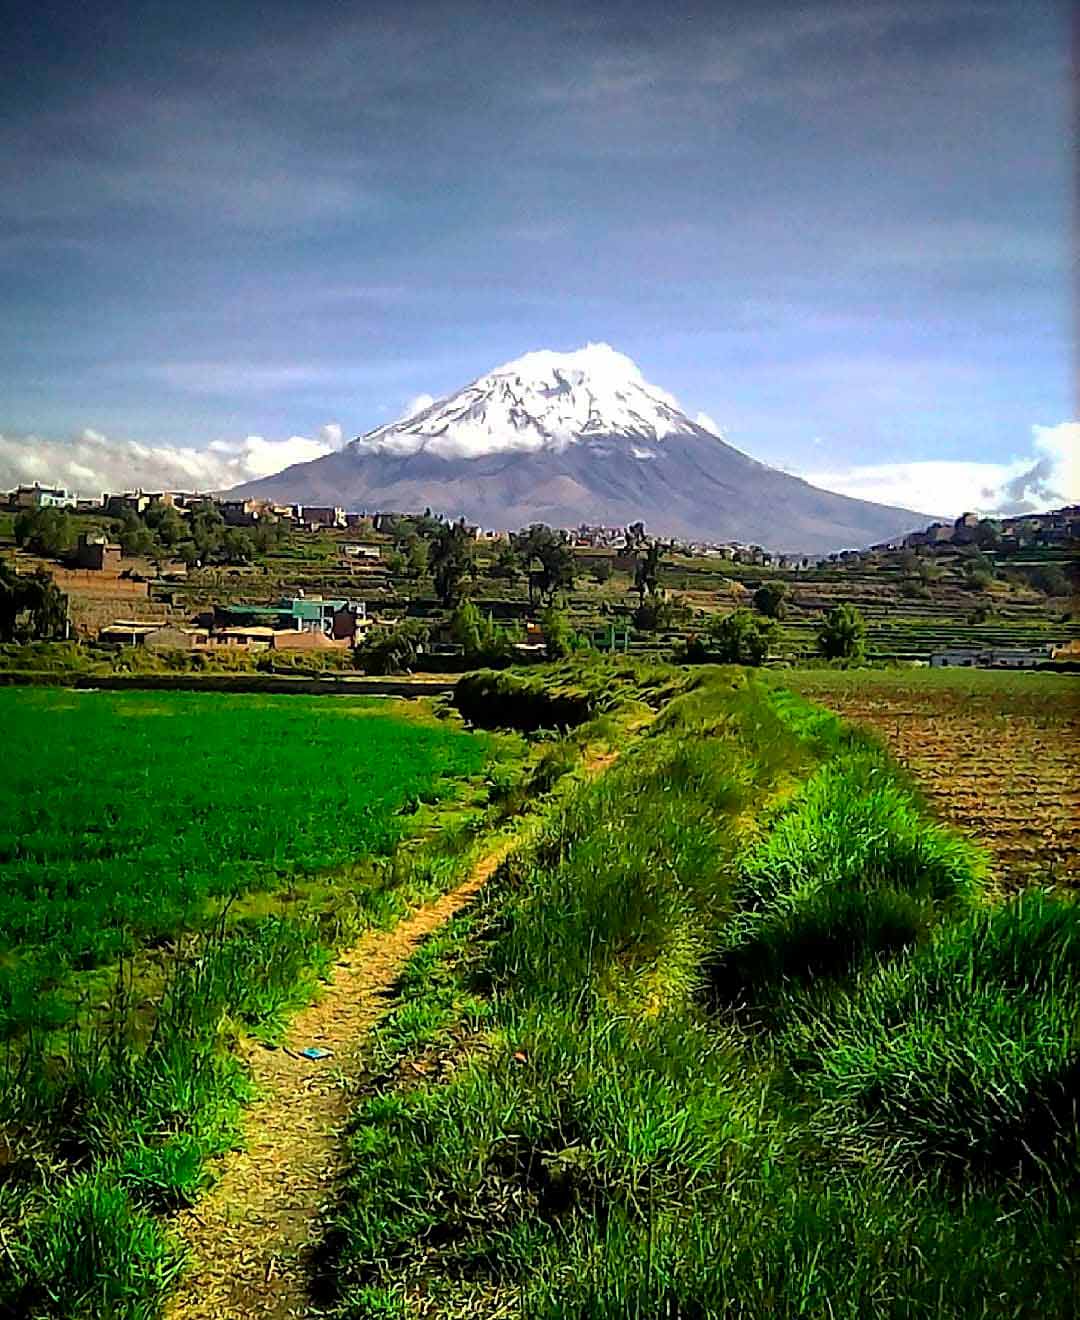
1059	527
299	623
960	657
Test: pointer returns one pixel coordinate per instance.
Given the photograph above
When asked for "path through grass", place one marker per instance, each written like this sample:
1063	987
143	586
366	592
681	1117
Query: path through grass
739	1036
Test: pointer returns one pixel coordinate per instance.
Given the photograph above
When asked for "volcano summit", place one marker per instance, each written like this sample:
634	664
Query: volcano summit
582	437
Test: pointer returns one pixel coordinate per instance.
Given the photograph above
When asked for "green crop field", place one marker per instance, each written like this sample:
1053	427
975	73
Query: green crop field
125	818
177	871
738	1025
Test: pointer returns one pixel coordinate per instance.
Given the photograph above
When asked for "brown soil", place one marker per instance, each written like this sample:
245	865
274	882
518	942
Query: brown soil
248	1237
1001	766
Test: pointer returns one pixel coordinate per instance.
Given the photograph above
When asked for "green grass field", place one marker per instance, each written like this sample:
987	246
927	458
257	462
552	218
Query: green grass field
176	871
739	1030
126	818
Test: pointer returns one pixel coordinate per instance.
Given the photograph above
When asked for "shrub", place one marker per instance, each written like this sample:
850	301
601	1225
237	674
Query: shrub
394	650
482	640
843	635
491	699
741	638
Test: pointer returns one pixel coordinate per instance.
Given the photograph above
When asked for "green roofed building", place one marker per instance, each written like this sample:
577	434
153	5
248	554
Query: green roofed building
336	618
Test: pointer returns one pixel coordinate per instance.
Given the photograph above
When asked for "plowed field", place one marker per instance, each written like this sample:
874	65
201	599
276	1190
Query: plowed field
998	754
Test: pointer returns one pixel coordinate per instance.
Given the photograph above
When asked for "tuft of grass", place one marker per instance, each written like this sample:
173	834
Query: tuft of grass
964	1056
848	870
91	1252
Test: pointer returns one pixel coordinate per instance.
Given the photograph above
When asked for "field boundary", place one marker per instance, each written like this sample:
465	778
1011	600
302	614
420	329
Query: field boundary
323	685
251	1236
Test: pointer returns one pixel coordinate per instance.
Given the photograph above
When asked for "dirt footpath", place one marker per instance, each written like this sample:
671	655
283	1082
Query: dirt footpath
249	1236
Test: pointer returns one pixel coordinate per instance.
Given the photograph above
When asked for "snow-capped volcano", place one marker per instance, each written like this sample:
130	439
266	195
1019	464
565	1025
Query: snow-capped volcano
543	400
581	437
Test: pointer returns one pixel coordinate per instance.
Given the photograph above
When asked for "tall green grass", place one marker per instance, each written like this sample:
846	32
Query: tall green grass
561	696
119	1118
884	1128
847	870
963	1057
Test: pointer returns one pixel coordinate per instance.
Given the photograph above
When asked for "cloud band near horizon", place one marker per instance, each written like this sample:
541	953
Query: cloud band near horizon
1046	475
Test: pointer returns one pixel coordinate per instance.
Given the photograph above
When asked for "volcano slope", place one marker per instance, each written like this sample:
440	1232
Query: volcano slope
582	437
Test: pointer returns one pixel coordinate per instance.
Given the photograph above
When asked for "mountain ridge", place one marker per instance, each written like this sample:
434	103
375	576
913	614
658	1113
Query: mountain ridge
580	437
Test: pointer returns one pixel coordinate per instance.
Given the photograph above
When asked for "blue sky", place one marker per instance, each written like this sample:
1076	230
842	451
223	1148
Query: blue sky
840	229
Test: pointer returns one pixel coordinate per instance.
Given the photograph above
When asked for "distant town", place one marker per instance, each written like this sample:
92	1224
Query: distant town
186	571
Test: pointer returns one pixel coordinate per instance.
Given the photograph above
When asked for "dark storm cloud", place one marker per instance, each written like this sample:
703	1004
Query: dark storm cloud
843	219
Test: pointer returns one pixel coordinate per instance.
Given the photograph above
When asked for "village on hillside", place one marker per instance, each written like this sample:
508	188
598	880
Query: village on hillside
183	571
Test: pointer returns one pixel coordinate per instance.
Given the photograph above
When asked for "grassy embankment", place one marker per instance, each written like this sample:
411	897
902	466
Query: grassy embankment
177	871
78	659
738	1034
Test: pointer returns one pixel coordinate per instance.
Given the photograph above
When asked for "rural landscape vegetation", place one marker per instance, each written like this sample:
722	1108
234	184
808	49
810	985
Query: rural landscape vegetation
539	662
666	933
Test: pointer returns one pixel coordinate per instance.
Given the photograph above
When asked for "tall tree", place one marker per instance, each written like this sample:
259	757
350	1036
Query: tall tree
770	599
451	561
507	563
207	531
134	536
742	637
558	635
46	532
417	555
32	607
549	560
237	546
647	572
166	524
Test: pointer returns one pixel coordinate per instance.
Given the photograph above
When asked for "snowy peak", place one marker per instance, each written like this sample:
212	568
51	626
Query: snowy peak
567	438
541	401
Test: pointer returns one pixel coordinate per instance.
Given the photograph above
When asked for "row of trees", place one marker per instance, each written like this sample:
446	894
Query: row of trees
160	532
543	555
483	641
745	637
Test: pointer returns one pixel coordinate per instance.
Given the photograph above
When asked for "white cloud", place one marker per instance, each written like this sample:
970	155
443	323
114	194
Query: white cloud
416	405
90	463
703	419
1048	475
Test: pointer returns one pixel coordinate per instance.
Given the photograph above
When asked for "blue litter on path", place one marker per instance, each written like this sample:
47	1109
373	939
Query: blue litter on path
315	1052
